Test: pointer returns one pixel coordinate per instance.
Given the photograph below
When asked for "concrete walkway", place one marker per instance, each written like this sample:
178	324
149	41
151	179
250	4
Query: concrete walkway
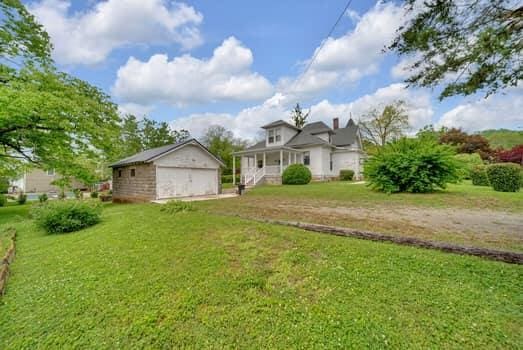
197	198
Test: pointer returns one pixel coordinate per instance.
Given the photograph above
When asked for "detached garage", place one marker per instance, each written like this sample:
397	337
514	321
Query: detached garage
184	169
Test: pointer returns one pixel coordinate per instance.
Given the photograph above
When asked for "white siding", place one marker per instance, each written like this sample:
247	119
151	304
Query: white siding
285	132
316	157
347	160
189	156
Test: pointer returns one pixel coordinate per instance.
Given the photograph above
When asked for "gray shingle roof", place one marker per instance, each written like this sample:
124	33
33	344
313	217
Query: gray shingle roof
345	136
150	154
259	145
278	123
316	128
304	138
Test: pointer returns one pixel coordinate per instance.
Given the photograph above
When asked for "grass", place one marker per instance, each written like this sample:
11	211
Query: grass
143	278
356	206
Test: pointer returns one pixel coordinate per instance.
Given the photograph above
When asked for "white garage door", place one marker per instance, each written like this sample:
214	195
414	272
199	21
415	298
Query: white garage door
185	182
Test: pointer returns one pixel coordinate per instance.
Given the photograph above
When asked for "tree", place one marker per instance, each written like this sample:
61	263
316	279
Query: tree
222	143
466	143
139	135
466	46
381	125
298	117
48	119
513	155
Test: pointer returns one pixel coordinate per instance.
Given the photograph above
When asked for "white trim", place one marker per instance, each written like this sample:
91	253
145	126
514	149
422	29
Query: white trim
188	143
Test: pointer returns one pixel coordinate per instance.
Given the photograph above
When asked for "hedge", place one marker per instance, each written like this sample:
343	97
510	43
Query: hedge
346	175
227	179
505	177
296	174
479	177
66	216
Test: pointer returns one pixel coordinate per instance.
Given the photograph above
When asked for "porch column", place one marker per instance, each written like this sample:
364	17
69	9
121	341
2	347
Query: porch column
233	170
294	157
264	159
255	163
281	162
289	160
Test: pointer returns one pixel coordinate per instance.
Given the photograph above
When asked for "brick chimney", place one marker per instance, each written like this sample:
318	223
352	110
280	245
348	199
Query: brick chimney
335	123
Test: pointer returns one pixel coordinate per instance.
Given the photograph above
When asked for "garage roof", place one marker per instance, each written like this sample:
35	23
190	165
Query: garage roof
153	153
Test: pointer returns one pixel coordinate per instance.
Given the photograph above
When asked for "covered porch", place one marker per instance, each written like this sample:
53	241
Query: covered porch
262	164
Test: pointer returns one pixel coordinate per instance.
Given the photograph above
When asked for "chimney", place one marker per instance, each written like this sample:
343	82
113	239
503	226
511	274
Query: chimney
335	123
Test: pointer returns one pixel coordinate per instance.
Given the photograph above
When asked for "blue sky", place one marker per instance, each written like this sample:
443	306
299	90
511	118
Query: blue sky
239	63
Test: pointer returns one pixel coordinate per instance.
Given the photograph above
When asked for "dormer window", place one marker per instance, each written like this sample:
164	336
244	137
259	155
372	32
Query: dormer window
274	135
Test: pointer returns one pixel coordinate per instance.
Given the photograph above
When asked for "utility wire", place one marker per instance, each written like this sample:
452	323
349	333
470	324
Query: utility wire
322	45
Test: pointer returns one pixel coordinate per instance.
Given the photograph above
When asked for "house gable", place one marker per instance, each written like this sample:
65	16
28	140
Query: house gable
189	156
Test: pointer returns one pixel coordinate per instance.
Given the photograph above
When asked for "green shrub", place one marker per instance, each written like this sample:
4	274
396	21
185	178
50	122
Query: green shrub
66	216
94	194
346	175
22	198
227	179
505	177
467	162
478	175
176	206
42	197
3	200
4	185
296	174
411	165
61	194
77	193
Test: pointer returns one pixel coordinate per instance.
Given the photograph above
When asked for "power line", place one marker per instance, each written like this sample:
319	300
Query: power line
322	44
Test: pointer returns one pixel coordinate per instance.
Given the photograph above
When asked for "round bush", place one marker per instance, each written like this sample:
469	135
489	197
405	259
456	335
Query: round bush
296	174
22	198
411	165
42	197
505	177
3	200
346	175
479	177
66	216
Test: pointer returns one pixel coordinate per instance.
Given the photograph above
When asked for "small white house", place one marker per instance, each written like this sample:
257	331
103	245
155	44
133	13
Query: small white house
324	150
184	169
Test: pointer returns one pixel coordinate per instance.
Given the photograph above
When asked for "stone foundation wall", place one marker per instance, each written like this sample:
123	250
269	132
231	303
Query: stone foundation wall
272	179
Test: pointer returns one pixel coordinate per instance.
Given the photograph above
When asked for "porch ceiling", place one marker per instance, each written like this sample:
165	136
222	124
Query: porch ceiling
267	150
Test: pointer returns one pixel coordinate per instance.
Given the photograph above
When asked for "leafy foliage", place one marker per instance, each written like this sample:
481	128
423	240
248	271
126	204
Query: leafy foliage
505	177
227	179
42	198
476	43
222	143
346	175
177	206
140	135
94	194
298	117
479	177
411	165
466	143
467	163
66	216
22	198
4	185
296	174
3	200
384	124
514	155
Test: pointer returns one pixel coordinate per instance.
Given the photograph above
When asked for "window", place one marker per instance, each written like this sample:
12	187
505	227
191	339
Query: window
260	163
133	172
330	161
271	136
277	132
274	135
50	172
307	158
119	173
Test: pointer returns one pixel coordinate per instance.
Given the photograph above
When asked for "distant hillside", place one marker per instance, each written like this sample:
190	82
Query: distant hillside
503	137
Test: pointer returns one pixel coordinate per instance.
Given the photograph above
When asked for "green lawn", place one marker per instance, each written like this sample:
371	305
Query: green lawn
145	279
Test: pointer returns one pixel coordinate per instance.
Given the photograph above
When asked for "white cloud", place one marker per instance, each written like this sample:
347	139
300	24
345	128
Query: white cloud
189	80
493	112
89	37
351	57
247	123
135	109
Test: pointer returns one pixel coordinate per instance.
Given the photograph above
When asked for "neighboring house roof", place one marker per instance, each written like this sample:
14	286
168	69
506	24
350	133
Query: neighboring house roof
278	123
154	153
